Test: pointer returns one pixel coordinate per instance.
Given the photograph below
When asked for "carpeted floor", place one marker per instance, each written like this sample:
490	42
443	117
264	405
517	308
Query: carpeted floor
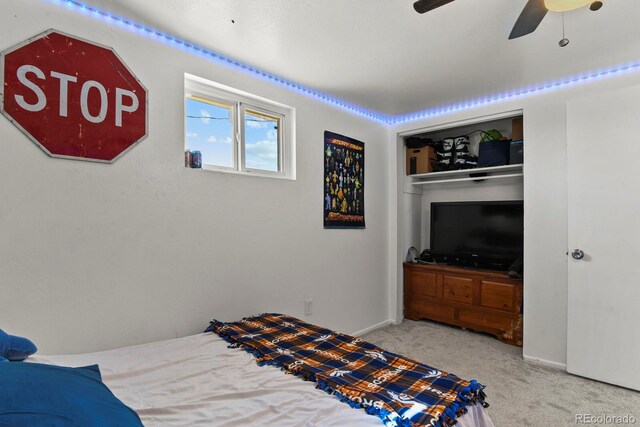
520	393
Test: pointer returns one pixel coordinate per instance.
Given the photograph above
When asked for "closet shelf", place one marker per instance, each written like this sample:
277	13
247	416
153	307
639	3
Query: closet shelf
463	175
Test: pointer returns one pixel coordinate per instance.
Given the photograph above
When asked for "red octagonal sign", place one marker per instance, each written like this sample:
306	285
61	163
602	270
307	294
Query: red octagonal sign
74	98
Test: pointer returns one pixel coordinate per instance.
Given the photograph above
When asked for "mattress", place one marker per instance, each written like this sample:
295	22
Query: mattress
198	381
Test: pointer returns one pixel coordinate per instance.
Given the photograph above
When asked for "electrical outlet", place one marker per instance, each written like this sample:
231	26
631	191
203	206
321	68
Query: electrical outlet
308	307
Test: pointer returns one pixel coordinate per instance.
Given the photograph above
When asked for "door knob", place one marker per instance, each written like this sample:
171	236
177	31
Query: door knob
577	254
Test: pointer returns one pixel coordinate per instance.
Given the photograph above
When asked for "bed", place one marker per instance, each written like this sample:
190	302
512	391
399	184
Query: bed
199	381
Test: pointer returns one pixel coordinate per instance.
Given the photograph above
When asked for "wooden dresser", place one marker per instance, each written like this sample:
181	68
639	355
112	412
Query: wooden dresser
481	300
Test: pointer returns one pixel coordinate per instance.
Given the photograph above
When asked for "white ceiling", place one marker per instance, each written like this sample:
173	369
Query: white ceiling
382	55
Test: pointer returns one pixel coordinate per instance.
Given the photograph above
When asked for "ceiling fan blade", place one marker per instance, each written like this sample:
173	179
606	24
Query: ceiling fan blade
423	6
532	14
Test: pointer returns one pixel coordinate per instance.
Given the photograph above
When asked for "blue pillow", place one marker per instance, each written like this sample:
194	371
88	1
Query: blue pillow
5	343
15	348
34	394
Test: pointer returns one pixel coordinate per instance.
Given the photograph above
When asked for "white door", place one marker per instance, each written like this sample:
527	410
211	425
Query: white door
603	135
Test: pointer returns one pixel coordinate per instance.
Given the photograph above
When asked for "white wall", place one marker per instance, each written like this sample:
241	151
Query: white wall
96	256
545	195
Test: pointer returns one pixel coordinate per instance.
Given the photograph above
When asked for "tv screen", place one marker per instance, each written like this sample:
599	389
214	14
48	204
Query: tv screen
491	232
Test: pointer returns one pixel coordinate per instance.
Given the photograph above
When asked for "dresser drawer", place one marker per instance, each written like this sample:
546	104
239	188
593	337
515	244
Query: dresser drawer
428	310
497	295
484	319
425	284
457	289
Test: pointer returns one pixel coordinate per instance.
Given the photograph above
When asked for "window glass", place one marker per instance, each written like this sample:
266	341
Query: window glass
209	129
237	132
262	141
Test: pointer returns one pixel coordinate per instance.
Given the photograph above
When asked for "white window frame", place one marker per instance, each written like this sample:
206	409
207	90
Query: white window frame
197	87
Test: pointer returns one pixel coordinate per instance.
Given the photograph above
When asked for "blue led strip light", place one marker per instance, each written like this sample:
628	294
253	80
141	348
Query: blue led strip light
230	62
517	93
337	102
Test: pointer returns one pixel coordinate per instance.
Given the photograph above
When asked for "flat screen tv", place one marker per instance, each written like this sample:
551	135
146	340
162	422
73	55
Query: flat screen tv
488	234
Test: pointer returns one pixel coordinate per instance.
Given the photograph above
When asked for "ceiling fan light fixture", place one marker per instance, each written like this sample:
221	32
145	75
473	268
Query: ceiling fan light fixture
565	5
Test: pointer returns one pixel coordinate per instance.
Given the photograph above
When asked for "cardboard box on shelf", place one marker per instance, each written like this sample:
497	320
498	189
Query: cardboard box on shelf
517	129
420	160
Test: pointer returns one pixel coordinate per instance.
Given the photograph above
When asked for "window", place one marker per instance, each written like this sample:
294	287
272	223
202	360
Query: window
238	132
210	130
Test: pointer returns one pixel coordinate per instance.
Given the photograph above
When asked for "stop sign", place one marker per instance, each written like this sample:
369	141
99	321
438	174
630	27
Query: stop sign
74	98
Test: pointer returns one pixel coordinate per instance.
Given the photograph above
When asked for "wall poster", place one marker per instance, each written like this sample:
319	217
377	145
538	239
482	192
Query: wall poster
343	182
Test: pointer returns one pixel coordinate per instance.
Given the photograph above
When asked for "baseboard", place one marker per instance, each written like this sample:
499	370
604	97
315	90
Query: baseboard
543	362
374	327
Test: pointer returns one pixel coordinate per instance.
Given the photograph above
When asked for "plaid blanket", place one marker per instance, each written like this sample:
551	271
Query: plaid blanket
401	391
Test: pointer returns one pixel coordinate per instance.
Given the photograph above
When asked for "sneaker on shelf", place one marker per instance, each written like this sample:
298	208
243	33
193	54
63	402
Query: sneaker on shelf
444	154
461	147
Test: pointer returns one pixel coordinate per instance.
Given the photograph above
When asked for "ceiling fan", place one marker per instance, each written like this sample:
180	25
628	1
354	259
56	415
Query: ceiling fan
530	17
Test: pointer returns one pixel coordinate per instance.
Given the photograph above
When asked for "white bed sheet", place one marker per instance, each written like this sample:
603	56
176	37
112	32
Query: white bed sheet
198	381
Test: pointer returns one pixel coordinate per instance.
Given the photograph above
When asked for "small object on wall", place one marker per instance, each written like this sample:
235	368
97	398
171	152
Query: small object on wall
196	159
343	182
420	160
74	98
187	158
